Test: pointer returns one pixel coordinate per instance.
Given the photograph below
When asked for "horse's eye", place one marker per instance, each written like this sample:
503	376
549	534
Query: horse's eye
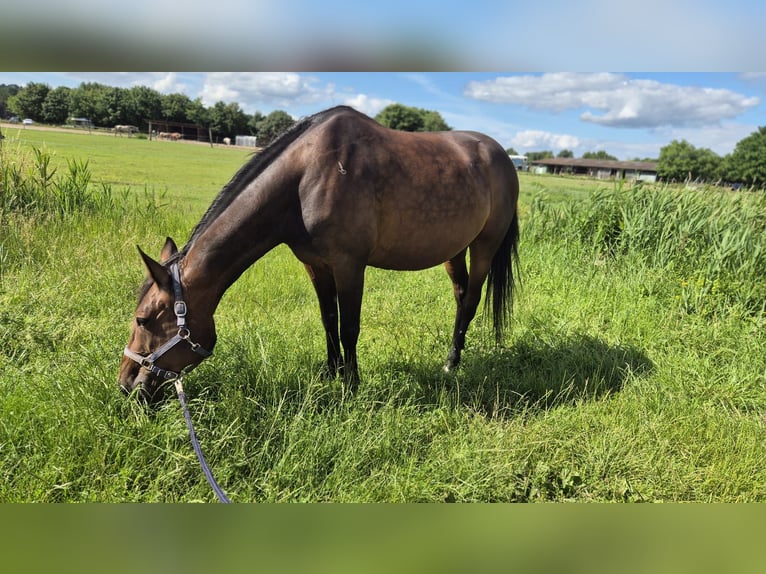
142	321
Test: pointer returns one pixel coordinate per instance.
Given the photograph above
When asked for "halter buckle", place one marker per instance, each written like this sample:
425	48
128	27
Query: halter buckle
180	308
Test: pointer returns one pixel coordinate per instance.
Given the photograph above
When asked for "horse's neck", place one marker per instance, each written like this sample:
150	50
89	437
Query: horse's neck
243	233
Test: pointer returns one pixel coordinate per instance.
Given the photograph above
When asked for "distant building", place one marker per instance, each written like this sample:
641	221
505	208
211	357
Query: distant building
598	168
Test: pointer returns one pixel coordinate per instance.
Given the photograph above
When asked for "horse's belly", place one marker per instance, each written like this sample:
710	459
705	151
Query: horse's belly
409	254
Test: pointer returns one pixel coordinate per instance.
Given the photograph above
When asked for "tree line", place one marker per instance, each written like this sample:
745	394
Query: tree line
107	106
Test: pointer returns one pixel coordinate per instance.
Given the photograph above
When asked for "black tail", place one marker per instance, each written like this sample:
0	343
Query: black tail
500	280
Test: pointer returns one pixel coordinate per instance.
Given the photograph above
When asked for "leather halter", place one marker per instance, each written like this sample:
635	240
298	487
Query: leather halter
179	308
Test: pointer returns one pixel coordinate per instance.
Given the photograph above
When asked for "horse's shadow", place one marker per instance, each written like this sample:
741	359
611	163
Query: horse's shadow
531	375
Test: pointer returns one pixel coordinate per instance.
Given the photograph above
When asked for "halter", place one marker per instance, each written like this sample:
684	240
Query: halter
179	308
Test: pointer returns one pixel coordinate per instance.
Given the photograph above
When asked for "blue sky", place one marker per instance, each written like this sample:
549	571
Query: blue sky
626	114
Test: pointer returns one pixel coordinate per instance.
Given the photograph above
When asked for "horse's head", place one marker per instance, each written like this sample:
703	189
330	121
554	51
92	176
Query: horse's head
170	333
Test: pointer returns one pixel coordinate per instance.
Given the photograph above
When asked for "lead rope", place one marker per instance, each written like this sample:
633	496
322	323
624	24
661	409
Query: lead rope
195	443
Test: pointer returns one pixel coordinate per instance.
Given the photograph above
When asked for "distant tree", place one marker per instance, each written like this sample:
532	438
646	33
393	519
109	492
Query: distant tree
142	103
410	119
600	154
677	161
401	117
197	113
6	91
175	107
512	151
228	120
56	105
747	163
538	155
565	153
434	122
254	121
273	125
28	102
710	166
680	160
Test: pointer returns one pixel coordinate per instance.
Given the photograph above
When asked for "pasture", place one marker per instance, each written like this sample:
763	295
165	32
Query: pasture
634	370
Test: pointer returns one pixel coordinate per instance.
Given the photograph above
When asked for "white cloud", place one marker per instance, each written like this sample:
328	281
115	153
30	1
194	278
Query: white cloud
254	90
366	104
616	100
535	140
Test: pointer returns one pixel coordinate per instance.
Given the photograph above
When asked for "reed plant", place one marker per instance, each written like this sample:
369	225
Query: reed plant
714	241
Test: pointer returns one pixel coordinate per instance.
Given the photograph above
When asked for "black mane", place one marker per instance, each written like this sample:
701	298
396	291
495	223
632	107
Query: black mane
253	169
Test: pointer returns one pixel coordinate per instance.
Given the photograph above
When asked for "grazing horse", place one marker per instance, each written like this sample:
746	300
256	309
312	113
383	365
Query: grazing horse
343	192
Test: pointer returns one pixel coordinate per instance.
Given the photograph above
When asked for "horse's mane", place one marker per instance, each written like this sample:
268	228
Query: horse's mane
254	168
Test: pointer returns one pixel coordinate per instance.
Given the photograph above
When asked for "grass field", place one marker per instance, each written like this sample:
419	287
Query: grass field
634	372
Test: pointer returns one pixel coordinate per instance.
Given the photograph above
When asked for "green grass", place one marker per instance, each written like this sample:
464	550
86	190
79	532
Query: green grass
190	173
610	387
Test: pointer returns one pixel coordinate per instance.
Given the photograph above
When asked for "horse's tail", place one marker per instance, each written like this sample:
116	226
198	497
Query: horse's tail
500	280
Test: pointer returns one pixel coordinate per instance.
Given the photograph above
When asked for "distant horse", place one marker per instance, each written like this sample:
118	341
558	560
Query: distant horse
120	129
343	192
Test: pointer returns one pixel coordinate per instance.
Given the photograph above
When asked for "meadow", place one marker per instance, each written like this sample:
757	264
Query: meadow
634	370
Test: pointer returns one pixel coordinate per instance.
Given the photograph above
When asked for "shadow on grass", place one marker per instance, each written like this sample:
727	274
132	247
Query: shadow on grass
533	375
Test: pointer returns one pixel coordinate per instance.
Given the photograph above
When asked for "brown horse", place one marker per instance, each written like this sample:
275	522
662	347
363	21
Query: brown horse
343	192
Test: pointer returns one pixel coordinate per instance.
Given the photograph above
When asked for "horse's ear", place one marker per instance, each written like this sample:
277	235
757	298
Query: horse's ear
156	271
168	250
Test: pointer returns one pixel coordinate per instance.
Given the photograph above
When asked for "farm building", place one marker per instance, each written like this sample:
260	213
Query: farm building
598	168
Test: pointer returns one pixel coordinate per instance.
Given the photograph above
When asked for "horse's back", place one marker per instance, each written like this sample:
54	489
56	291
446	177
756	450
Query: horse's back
405	200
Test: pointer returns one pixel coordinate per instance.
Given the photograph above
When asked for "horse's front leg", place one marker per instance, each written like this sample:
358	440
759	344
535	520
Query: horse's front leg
324	285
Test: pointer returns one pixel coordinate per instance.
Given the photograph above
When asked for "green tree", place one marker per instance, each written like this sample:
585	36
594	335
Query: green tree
565	153
710	165
197	113
680	161
600	154
56	105
677	161
142	103
538	155
90	100
254	121
401	117
433	122
28	102
747	163
6	91
273	125
175	107
511	151
228	120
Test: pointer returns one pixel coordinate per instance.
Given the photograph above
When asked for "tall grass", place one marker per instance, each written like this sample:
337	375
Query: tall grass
30	184
713	241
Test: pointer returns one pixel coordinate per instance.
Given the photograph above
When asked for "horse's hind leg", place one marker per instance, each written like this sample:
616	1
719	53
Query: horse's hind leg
324	285
349	279
458	274
481	259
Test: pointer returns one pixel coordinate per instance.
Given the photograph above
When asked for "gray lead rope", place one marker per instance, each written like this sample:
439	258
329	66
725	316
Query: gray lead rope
195	443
